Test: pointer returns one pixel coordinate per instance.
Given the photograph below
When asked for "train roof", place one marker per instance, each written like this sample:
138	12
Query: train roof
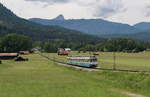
82	58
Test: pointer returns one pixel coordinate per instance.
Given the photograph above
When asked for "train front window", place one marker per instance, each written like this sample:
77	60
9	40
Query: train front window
93	60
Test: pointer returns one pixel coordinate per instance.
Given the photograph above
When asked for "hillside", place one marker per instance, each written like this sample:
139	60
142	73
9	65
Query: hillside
90	26
100	27
143	25
143	36
10	23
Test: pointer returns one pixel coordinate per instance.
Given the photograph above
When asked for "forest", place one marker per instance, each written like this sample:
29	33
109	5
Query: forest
16	43
118	45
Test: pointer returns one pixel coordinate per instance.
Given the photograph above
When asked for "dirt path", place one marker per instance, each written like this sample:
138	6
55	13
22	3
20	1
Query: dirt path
127	93
131	94
65	64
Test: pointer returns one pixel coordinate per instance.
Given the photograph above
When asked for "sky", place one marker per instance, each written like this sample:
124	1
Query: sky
123	11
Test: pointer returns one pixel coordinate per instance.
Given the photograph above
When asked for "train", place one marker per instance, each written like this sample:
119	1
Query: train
83	61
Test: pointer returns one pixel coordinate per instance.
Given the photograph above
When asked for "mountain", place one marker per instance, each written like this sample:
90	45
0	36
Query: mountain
10	23
89	26
102	28
60	17
143	25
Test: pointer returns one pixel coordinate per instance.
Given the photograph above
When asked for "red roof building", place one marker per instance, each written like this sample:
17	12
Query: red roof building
8	55
24	52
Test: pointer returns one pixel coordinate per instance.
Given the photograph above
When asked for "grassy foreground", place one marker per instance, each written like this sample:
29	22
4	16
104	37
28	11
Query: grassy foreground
41	78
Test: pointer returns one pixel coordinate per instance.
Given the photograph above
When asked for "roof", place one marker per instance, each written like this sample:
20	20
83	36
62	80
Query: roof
67	49
24	52
8	54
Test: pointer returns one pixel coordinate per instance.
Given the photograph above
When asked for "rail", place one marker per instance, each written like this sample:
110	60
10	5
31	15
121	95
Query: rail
96	69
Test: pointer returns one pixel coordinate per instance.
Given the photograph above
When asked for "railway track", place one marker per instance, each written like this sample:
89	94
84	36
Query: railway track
65	64
93	69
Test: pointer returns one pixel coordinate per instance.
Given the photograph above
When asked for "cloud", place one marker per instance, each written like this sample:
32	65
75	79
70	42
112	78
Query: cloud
100	8
107	8
87	3
79	2
125	11
147	11
50	1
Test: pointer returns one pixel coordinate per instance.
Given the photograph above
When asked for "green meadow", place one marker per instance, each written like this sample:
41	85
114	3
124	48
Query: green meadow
39	77
124	61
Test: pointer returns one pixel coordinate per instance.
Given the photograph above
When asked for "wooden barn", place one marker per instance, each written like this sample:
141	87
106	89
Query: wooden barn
6	56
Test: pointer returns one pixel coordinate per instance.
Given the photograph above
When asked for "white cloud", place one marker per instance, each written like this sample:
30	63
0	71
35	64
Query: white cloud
126	11
107	8
135	12
147	11
50	1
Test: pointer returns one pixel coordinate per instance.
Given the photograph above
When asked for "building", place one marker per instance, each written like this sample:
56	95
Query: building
24	52
62	51
67	49
8	55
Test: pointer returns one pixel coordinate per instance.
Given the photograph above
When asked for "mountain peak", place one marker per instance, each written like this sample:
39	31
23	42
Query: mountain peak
60	17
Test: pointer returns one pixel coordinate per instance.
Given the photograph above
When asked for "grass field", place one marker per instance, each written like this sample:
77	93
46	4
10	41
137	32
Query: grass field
42	78
124	61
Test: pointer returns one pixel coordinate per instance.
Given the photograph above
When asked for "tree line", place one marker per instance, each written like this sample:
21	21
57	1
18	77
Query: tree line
117	45
16	43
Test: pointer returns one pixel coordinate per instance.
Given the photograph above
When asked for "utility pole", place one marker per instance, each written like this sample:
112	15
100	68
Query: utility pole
114	55
54	59
114	58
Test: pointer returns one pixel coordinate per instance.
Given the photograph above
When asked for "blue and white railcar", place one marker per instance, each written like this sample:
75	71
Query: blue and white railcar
83	61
